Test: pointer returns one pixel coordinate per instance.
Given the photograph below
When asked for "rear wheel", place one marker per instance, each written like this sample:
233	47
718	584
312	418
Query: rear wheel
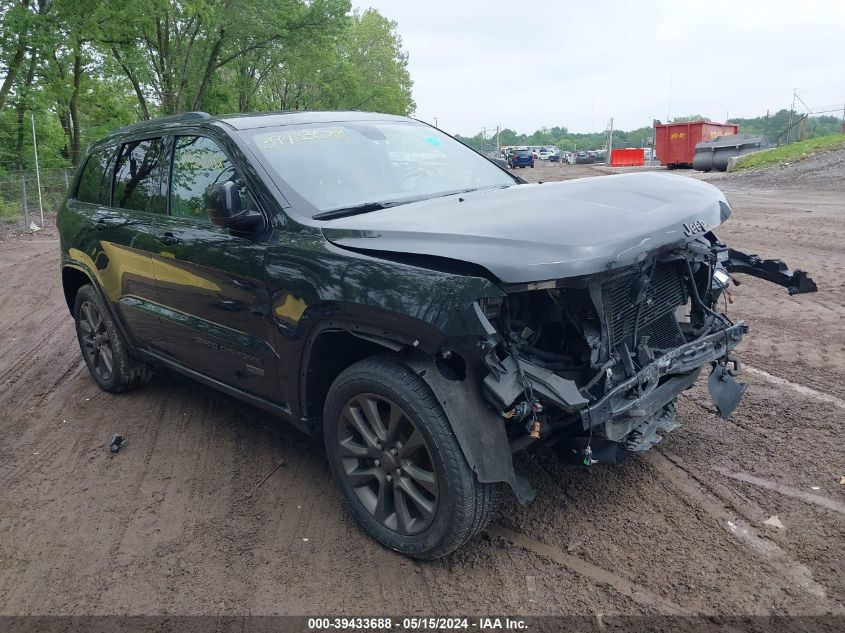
103	349
398	464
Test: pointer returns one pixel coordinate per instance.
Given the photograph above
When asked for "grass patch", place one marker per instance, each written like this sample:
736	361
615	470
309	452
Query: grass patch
10	211
789	153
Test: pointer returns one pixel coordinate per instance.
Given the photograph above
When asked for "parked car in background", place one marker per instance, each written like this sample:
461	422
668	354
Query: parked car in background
583	157
544	154
554	158
522	158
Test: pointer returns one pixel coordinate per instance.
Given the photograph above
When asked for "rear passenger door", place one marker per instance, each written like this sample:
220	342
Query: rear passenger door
124	182
211	280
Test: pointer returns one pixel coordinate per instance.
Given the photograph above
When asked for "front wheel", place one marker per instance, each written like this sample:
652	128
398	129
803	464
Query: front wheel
103	349
398	464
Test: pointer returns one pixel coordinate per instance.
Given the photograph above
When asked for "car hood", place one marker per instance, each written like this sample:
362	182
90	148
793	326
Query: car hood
543	231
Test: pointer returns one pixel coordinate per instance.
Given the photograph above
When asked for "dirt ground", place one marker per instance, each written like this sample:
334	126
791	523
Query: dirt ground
214	508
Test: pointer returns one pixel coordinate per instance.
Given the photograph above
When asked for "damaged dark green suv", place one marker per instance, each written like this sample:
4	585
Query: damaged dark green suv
373	281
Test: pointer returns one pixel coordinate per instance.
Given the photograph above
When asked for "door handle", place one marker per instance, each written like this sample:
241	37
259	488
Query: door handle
168	238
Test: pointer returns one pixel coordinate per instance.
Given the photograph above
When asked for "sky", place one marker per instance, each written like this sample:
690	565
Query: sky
527	64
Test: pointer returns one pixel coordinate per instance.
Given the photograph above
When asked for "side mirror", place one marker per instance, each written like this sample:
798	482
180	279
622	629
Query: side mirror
225	208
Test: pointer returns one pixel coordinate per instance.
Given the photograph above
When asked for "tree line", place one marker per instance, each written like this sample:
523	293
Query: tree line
772	126
84	67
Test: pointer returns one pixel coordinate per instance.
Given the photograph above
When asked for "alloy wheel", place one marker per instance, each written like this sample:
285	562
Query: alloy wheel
96	342
387	464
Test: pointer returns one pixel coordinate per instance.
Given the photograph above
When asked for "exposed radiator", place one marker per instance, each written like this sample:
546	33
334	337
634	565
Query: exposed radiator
657	316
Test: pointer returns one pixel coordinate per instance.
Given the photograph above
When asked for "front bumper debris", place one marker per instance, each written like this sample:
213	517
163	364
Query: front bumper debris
643	395
772	270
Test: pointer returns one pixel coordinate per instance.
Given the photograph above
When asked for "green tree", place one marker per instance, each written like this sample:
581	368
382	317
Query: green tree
170	51
376	66
84	67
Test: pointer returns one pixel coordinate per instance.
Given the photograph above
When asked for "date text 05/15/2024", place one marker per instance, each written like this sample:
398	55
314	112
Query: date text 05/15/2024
417	624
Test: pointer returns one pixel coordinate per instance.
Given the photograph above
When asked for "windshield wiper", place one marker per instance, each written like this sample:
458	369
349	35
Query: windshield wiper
358	208
471	190
375	206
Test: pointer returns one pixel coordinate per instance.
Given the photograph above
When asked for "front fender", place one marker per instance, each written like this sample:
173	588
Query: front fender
479	431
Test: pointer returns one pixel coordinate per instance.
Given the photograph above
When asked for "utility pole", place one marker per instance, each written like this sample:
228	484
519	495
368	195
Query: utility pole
610	143
791	113
37	171
498	144
766	129
654	140
435	123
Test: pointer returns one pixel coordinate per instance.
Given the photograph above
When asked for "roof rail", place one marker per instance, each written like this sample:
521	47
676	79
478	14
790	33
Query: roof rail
176	118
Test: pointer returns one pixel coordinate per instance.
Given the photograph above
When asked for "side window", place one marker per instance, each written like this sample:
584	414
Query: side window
198	163
137	179
95	181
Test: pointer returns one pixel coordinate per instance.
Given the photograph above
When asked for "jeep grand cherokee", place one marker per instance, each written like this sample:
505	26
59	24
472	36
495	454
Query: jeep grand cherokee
374	282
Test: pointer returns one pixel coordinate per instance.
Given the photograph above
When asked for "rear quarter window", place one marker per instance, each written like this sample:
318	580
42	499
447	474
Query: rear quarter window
95	181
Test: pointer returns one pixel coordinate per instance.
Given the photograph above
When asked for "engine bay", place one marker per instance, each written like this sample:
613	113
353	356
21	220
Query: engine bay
602	358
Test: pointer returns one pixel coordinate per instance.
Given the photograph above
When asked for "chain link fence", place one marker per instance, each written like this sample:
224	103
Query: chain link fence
19	195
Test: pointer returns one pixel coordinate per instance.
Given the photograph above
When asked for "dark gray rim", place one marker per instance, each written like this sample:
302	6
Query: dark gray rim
96	342
385	459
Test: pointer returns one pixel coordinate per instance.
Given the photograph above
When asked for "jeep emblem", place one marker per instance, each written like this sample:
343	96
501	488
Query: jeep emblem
691	228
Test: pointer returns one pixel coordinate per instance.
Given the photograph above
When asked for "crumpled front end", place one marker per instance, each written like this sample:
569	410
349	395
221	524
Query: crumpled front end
593	365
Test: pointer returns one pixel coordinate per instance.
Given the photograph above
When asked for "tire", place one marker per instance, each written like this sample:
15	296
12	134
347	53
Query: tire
412	434
102	346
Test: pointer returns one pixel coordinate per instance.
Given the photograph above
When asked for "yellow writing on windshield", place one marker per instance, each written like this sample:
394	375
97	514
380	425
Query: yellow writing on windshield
276	139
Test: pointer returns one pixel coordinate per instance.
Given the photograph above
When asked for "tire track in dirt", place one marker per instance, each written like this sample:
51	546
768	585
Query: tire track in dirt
788	491
590	571
695	490
802	389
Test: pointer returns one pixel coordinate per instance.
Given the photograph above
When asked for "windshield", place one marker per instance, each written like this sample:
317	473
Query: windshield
362	164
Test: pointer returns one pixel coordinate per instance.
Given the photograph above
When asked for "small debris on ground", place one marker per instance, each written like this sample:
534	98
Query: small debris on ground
774	521
531	586
815	488
117	442
842	480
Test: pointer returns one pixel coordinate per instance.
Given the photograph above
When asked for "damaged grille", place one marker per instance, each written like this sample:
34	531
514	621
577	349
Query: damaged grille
657	317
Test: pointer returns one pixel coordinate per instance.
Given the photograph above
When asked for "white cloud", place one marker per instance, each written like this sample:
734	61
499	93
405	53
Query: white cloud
531	63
